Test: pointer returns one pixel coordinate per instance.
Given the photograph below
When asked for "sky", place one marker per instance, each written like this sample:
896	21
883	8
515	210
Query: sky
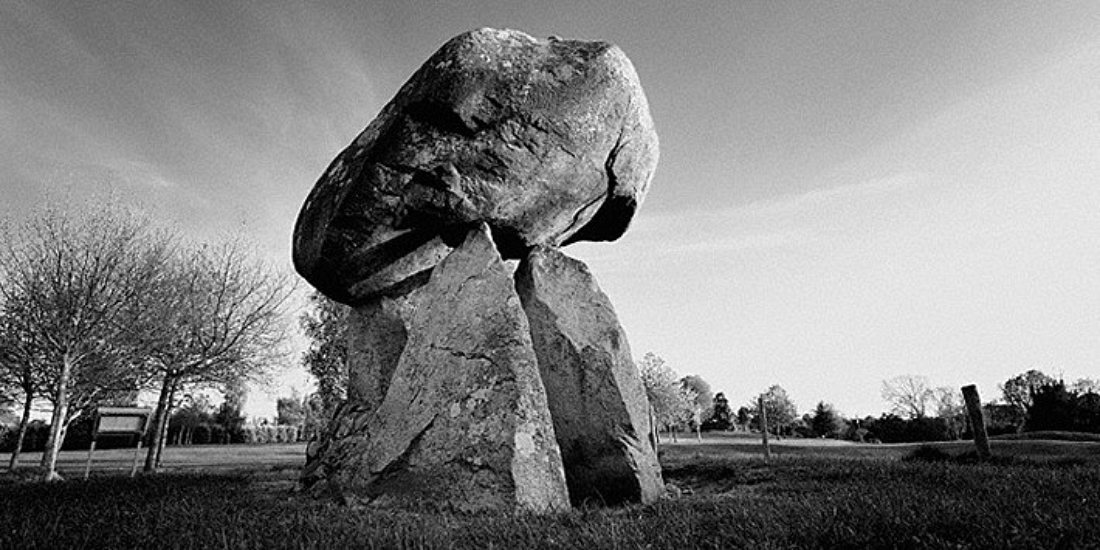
847	192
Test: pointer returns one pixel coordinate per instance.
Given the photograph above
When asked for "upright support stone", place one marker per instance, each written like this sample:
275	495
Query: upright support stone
595	393
464	422
977	420
376	336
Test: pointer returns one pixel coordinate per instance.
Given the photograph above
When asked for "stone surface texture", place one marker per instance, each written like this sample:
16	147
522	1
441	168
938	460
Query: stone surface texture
595	393
546	141
464	422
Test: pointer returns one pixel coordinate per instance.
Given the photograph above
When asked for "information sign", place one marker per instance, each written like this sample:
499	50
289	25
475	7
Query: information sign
119	421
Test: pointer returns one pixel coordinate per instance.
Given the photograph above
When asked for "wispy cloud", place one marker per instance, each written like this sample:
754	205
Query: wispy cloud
824	199
135	172
741	243
805	204
804	219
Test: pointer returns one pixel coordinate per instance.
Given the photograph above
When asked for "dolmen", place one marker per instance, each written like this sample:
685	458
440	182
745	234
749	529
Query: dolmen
487	370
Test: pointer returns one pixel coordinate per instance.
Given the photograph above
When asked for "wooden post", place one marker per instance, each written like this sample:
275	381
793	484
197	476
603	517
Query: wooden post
977	420
91	448
137	451
764	428
88	464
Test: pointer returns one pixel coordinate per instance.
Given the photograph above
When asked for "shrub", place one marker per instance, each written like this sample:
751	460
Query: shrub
37	433
893	429
286	434
201	435
259	435
218	434
1055	408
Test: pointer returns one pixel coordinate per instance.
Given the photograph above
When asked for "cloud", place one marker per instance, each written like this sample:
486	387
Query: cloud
741	243
819	200
141	173
785	222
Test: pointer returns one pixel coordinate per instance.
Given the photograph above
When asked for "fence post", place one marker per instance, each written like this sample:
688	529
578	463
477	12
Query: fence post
137	452
977	420
88	463
764	428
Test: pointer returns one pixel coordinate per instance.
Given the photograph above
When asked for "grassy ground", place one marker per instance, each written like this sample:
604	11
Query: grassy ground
1053	435
812	494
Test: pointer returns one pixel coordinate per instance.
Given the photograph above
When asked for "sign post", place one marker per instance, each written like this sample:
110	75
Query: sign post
119	421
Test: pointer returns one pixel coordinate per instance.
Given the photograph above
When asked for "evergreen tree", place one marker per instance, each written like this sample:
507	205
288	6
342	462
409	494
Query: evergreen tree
721	417
825	422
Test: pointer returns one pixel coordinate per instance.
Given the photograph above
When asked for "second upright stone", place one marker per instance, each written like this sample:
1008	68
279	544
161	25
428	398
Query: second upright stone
595	394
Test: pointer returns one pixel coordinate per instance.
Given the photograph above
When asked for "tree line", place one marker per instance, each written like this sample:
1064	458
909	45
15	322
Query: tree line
1029	402
687	403
917	410
99	303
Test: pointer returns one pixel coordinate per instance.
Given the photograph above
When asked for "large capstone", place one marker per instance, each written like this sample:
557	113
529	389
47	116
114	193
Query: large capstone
464	423
546	141
596	396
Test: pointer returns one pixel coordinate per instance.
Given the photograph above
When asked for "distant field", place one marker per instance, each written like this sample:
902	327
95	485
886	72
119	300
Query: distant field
229	458
813	494
742	445
1054	436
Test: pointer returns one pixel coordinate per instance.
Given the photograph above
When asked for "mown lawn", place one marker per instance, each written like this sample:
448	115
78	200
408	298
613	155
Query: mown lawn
732	499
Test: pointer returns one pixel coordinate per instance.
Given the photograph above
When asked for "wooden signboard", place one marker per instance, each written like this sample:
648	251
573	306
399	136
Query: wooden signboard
119	421
121	424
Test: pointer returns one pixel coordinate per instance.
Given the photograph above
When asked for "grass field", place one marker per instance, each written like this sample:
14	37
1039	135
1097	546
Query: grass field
196	459
813	494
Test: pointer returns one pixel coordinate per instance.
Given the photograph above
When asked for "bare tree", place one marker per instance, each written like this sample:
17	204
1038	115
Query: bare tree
70	281
672	403
20	370
908	395
219	321
949	406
